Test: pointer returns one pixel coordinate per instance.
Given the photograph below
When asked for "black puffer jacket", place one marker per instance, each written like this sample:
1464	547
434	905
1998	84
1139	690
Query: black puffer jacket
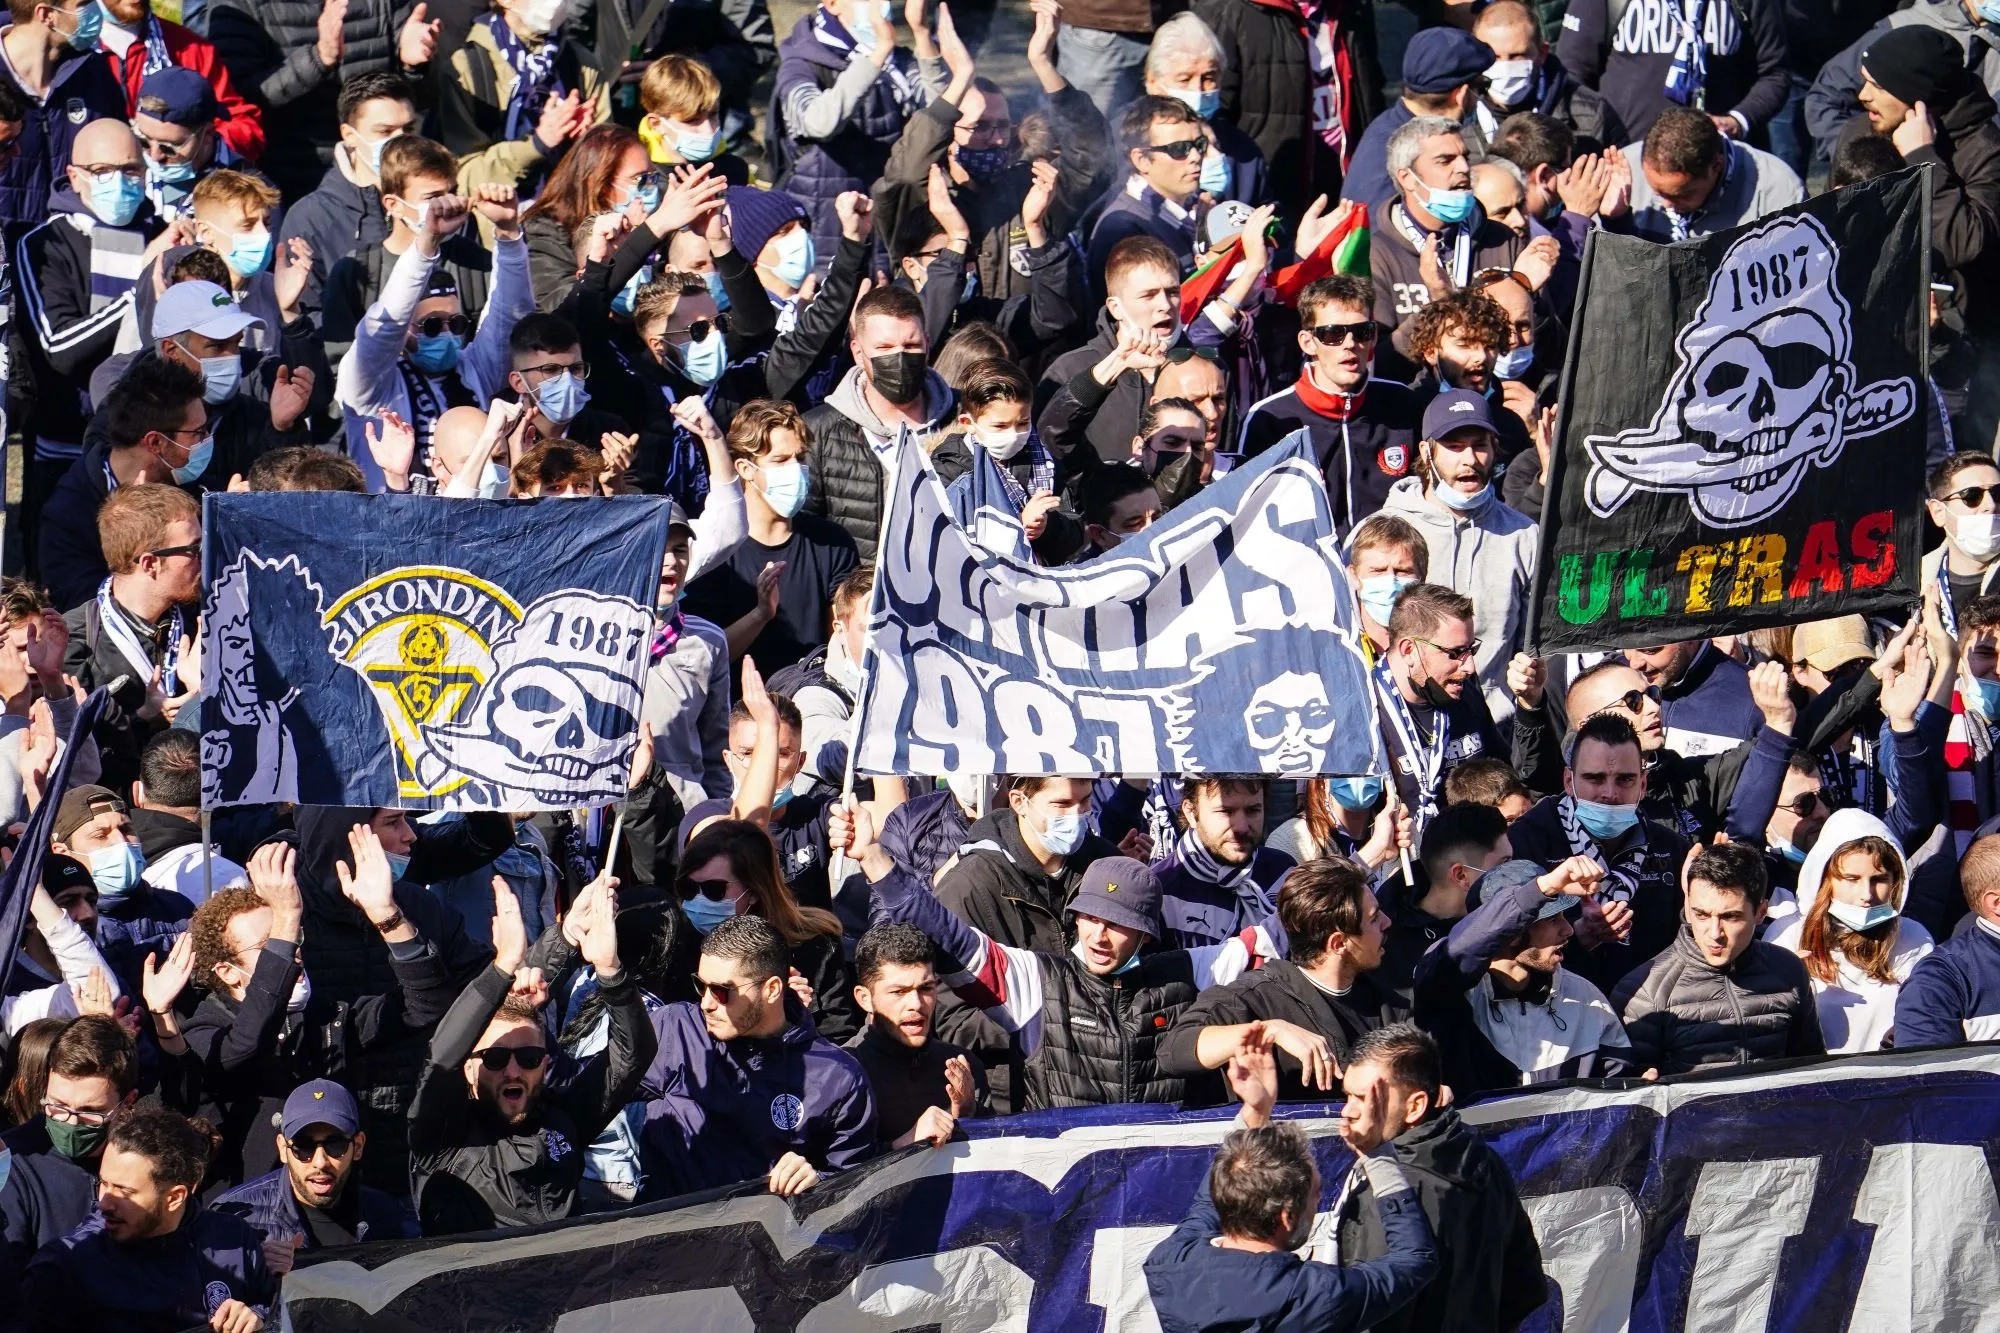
1682	1013
848	477
347	960
1267	90
1100	1034
1489	1265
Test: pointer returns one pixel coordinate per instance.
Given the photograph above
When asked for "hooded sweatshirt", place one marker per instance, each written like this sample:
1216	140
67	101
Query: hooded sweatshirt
1856	1011
1486	553
851	451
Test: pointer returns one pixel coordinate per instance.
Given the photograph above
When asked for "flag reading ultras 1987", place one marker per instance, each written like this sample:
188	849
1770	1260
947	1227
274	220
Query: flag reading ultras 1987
1743	444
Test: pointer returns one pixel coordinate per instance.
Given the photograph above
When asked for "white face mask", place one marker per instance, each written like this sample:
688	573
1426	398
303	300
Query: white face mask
543	17
1978	535
1002	444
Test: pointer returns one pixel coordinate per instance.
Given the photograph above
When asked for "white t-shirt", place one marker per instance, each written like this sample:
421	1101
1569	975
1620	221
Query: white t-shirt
1856	1011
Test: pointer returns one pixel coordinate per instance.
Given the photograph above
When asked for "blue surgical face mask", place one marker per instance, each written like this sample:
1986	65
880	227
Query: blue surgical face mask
1989	12
115	198
1214	175
628	295
249	252
698	147
399	866
372	150
1604	822
786	486
1204	103
198	457
89	24
1064	834
1450	207
1856	917
796	256
436	353
705	913
1784	849
1989	698
1512	365
716	289
1355	793
1454	498
1379	593
704	361
493	482
115	869
169	173
647	193
561	398
220	376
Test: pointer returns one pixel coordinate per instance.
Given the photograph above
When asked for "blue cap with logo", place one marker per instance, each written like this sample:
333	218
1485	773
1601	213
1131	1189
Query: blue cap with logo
321	1102
1454	410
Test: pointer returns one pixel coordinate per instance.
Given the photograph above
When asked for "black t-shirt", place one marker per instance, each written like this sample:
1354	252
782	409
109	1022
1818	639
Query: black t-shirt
1964	589
338	1225
819	555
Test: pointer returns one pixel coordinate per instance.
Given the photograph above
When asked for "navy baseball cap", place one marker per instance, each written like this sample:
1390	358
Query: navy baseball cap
1454	410
178	96
321	1102
1123	892
1440	59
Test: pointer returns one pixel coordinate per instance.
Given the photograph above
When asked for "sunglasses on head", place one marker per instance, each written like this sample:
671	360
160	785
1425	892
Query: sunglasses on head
715	890
336	1146
430	326
1974	496
495	1058
1188	352
1180	148
1333	335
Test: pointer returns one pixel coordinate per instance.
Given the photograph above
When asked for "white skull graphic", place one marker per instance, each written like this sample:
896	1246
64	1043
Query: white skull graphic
1290	723
544	726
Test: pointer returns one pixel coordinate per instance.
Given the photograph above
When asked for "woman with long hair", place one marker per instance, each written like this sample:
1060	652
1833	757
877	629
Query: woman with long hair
30	1062
606	171
731	868
1342	817
1858	947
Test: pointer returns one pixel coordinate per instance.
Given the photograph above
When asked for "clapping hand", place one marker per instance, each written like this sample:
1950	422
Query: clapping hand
1253	1076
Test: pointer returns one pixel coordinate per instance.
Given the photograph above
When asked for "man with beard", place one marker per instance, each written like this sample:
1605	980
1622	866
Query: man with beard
1504	1010
1427	690
922	1086
1219	877
315	1200
151	1257
490	1146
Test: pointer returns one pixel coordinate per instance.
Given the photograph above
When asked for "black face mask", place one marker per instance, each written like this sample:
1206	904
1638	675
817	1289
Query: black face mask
1176	477
898	376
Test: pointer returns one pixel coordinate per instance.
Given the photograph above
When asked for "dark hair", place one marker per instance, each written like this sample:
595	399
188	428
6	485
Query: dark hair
170	766
1407	1054
553	464
989	381
753	863
541	332
1487	780
1980	613
1196	786
1317	899
1683	141
858	586
1863	158
150	396
581	183
198	264
1464	834
408	156
1104	486
12	108
969	349
1135	127
22	598
1258	1176
177	1147
1474	315
1612	729
1530	139
891	301
1736	865
1422	607
1150	414
305	467
894	944
752	942
96	1047
1945	473
30	1053
1339	289
788	712
367	88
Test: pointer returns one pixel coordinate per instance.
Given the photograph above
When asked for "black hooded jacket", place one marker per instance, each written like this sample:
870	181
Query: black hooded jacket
1489	1266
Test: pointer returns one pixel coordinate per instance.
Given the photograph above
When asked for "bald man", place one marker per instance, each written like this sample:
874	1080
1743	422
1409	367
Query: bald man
78	272
463	459
1736	790
1501	191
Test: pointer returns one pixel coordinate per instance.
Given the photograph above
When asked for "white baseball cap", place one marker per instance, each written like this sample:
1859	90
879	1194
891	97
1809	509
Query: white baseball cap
199	307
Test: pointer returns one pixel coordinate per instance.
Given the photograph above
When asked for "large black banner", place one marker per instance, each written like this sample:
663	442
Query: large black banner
1742	443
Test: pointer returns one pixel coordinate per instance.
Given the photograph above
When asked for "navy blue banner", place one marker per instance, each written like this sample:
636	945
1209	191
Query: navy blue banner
1855	1194
433	654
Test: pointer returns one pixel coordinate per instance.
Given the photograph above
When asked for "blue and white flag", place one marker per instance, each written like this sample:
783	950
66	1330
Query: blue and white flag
1221	640
396	650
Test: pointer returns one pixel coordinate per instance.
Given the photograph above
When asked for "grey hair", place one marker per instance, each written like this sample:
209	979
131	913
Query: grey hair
1407	143
1512	171
1183	32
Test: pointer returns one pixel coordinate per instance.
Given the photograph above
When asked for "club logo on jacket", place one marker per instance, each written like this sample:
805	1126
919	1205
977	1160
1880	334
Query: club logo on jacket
76	111
1765	389
787	1112
1394	459
557	1145
215	1295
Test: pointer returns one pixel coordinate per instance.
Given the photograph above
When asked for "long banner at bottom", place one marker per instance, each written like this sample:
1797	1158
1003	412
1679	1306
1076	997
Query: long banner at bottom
1853	1194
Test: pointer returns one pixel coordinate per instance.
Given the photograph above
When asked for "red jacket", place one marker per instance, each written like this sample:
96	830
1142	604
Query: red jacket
241	123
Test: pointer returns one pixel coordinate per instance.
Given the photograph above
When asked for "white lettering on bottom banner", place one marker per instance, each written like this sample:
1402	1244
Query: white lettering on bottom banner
973	1290
1590	1243
1935	1217
1743	1212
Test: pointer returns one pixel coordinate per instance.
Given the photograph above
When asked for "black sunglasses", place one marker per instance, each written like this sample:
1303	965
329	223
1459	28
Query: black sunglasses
192	548
715	890
430	326
1802	804
495	1058
1180	148
1973	496
696	332
1333	335
1632	700
336	1146
1186	352
722	992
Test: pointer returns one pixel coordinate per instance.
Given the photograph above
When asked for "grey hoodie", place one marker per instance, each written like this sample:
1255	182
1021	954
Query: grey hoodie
1487	554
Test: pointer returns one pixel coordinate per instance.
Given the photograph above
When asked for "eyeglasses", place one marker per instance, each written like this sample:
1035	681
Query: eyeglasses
1334	335
336	1146
191	549
715	890
1974	496
694	333
1804	803
430	326
580	369
1464	654
1180	148
495	1058
134	172
69	1115
171	151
